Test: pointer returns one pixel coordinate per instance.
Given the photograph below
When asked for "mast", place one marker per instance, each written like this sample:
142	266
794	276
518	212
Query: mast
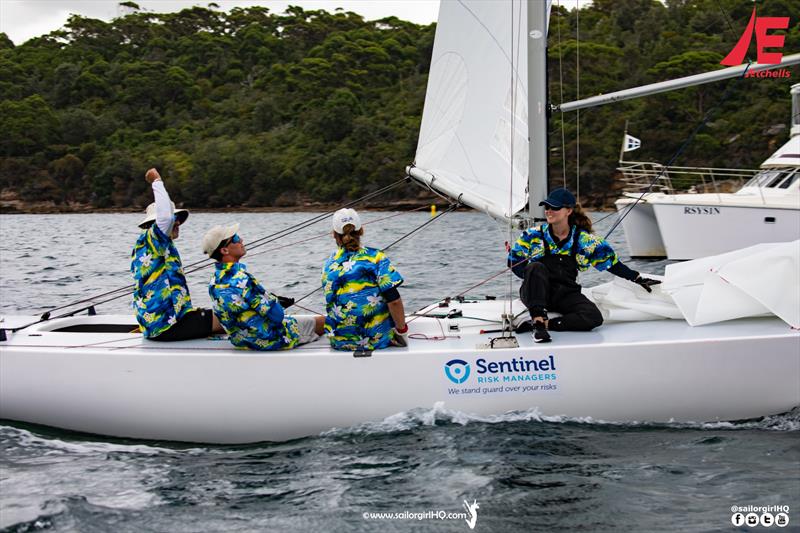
537	106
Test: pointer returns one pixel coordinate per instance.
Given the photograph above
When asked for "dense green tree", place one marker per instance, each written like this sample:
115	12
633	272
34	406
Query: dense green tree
257	108
28	126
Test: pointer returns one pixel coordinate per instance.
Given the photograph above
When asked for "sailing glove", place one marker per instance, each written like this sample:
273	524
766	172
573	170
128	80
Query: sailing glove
400	337
285	301
646	283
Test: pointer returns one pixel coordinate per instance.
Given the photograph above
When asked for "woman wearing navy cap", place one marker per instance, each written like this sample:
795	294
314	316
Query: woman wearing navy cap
548	259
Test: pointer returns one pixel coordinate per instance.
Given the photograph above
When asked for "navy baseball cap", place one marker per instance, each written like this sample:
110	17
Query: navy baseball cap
560	197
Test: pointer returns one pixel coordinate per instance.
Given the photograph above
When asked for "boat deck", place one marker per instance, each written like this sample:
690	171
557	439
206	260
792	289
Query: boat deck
207	391
467	325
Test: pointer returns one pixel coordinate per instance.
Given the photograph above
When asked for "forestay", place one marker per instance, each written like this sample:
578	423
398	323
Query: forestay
473	142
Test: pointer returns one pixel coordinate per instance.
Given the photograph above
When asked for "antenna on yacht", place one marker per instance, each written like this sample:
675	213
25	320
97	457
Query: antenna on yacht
794	123
622	146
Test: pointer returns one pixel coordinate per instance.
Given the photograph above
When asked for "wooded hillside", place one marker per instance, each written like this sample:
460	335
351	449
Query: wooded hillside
253	108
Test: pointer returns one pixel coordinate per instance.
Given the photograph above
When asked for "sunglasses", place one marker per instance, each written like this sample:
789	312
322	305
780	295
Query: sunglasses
552	208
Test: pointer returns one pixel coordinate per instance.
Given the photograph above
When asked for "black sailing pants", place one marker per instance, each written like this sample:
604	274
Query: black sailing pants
541	289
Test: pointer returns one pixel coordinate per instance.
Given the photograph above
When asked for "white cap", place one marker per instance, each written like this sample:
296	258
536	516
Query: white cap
343	217
150	214
216	235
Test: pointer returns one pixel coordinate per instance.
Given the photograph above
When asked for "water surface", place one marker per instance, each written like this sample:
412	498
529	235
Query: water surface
525	472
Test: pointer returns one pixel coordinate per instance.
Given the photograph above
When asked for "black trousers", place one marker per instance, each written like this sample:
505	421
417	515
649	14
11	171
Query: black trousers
544	289
196	324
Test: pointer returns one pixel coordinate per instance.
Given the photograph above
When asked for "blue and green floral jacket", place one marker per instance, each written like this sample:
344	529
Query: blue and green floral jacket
160	294
592	250
251	316
357	315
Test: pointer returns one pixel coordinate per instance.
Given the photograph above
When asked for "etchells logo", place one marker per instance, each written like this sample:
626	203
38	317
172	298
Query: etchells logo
457	370
759	26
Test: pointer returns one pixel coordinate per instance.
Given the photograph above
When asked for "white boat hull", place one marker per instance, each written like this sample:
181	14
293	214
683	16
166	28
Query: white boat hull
205	391
641	229
694	230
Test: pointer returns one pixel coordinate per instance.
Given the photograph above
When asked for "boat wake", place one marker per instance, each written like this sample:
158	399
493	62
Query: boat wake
439	415
80	444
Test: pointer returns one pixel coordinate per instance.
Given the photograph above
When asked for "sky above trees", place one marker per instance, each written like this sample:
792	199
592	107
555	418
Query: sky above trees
24	19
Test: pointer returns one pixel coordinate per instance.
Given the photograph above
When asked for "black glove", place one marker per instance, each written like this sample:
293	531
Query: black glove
285	302
646	283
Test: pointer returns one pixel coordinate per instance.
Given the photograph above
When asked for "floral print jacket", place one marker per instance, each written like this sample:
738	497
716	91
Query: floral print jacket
251	316
160	294
357	315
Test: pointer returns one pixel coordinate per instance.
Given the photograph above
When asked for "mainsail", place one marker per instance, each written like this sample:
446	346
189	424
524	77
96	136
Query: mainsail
473	142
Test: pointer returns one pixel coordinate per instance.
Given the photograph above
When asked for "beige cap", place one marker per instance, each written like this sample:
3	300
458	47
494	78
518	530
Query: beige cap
216	235
150	215
343	217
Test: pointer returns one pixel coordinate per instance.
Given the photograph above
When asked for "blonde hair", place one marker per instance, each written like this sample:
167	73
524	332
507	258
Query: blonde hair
350	239
580	219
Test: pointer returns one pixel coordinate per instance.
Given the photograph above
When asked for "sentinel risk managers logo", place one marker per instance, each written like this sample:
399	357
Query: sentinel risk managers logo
760	26
515	375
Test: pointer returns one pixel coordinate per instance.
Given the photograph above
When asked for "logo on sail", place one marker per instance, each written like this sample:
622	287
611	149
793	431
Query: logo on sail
456	370
759	26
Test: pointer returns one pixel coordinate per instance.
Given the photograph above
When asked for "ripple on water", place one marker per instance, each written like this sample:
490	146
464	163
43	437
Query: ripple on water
528	472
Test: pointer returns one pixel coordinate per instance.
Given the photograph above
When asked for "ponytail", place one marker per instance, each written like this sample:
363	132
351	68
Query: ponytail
580	219
350	239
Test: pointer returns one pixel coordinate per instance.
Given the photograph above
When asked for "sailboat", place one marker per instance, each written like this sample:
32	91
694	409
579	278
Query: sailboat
91	374
661	222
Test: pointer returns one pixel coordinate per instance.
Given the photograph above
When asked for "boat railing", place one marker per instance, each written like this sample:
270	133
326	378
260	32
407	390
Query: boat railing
640	176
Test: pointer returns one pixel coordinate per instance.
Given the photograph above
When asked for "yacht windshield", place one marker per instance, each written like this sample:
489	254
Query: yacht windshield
765	178
786	183
781	178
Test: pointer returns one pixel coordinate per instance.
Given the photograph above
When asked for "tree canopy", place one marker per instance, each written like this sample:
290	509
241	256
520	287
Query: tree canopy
253	108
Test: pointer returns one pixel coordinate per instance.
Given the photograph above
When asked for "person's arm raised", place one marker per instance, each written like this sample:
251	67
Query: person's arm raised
164	212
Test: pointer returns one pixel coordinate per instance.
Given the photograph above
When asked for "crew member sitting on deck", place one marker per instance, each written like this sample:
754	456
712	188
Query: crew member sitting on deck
548	259
253	317
160	295
364	308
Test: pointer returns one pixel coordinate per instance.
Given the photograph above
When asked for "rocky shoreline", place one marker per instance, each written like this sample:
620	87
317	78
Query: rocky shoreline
11	204
19	207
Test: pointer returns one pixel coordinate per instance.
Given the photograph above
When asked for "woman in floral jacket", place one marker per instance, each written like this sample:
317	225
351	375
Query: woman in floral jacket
364	308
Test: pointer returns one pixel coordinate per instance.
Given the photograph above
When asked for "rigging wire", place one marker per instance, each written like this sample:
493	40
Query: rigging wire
514	79
686	142
327	233
204	263
727	19
578	97
430	221
465	291
561	92
313	220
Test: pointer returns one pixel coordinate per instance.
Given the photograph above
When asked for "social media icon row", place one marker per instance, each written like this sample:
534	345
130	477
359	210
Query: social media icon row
766	519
